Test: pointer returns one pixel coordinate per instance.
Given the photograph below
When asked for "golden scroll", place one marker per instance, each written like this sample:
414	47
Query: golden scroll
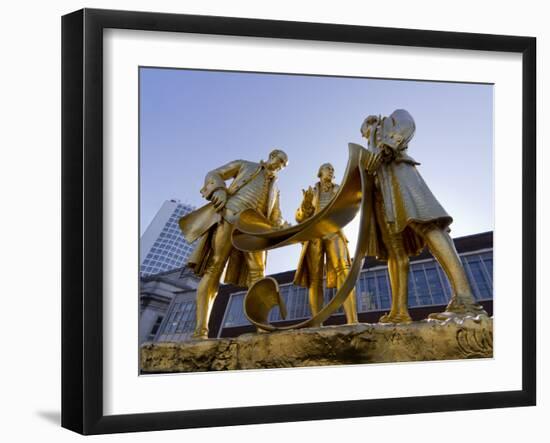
254	233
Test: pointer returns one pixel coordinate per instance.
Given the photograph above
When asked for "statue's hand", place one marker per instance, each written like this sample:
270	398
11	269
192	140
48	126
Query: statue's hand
307	202
306	208
285	225
373	163
219	199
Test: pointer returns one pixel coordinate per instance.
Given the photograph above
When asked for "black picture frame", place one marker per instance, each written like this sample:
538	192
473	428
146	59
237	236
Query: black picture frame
82	216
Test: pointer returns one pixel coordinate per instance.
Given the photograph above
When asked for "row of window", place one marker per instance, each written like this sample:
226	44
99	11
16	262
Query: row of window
156	267
170	235
168	250
162	258
164	261
170	231
163	248
181	210
427	285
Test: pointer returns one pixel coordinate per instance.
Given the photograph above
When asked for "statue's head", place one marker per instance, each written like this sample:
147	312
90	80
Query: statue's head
397	129
277	160
368	125
326	172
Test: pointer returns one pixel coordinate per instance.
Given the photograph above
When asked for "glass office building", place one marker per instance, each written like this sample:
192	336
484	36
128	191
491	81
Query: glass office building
428	286
162	245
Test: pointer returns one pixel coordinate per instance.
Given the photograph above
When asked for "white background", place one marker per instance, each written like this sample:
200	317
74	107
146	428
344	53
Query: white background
30	184
126	393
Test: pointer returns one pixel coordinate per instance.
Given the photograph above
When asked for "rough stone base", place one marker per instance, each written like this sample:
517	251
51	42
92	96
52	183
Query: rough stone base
330	345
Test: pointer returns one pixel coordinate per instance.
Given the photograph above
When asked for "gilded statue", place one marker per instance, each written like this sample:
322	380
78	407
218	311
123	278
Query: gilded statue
327	256
254	188
407	217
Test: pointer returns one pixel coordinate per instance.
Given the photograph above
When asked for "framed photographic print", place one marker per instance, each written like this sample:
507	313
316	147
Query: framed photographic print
268	221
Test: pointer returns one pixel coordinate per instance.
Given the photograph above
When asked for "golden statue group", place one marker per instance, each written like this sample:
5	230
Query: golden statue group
399	216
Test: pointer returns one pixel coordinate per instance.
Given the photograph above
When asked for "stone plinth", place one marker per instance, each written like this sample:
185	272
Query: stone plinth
330	345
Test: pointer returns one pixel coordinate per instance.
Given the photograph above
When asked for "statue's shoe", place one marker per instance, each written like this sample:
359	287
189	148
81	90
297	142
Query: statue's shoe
446	315
200	334
395	318
460	307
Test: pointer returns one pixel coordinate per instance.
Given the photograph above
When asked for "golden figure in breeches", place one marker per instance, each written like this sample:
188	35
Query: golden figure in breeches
408	217
329	253
253	187
221	249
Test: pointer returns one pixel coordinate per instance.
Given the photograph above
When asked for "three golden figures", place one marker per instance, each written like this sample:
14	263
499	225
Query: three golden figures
399	216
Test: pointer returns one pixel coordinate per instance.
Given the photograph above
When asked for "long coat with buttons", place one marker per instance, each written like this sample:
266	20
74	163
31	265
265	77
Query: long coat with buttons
401	198
302	276
200	224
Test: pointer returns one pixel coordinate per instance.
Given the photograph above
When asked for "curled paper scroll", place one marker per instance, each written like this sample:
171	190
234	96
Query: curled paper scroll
254	233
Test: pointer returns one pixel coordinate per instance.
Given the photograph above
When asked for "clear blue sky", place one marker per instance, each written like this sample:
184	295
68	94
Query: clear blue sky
193	121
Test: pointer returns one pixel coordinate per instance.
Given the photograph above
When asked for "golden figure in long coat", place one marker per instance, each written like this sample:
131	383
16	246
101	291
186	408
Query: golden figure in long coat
329	253
253	187
408	217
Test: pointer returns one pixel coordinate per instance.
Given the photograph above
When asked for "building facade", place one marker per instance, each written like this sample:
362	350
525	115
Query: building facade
162	245
429	291
157	293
